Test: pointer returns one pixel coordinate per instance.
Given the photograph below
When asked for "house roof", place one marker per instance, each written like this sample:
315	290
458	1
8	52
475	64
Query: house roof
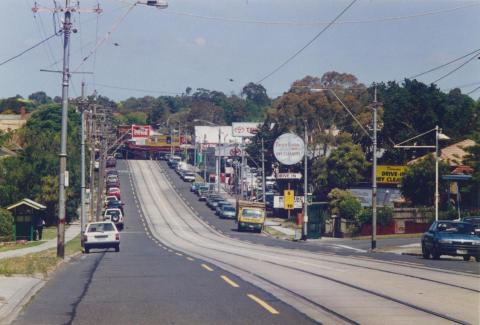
453	154
30	203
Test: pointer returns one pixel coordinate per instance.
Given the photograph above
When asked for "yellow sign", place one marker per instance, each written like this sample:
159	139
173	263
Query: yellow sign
390	174
289	199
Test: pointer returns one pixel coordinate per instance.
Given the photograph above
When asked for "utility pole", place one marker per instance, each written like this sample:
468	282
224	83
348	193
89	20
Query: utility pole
101	168
374	173
205	158
305	185
82	161
218	160
263	172
93	131
67	25
63	174
242	169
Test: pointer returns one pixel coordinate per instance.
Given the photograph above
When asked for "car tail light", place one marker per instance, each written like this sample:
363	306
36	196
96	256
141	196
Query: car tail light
117	236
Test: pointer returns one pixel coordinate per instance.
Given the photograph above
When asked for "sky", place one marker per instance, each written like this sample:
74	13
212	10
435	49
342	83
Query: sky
225	44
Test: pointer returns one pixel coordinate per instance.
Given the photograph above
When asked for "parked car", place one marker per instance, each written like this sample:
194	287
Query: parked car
211	198
111	172
228	212
189	177
202	195
111	162
219	206
194	186
202	187
475	220
115	215
453	238
214	202
114	191
101	235
115	204
109	198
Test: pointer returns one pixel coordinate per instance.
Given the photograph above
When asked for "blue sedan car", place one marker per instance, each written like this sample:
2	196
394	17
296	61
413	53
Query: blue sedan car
451	238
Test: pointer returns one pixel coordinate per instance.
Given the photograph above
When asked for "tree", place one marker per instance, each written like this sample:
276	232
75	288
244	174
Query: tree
256	93
40	97
6	224
344	167
471	192
418	183
343	203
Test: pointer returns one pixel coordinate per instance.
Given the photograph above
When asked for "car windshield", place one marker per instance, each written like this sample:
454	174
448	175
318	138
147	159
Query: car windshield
252	213
455	228
100	227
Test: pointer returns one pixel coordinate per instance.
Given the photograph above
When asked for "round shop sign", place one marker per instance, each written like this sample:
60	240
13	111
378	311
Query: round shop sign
289	149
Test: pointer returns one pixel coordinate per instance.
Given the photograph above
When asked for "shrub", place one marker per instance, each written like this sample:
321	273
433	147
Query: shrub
6	223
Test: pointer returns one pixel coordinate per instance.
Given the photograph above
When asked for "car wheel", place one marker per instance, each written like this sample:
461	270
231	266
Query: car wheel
117	248
425	252
466	258
477	259
87	250
239	228
435	253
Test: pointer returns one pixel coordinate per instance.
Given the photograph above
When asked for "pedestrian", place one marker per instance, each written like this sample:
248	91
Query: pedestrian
40	225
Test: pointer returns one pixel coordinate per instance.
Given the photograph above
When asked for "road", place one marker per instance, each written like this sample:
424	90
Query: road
328	288
148	283
338	246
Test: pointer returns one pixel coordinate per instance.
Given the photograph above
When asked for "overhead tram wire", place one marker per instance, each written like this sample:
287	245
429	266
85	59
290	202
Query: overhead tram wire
444	64
309	43
314	23
137	89
30	48
456	69
472	91
106	37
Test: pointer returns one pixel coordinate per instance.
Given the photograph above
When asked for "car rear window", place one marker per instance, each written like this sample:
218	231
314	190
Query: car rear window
251	213
113	212
100	227
229	209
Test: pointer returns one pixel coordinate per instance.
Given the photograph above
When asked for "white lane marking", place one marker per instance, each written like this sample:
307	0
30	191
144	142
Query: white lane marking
351	248
190	259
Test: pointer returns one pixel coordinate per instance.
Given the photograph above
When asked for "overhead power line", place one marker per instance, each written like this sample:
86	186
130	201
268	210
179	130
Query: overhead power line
444	64
29	49
309	43
137	89
456	69
472	91
315	23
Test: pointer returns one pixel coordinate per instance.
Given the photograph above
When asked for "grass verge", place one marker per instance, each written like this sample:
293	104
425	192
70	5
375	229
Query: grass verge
49	233
14	246
40	263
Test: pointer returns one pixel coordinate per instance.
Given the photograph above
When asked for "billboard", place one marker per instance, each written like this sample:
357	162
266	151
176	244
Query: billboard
245	129
390	174
140	131
279	202
289	149
228	151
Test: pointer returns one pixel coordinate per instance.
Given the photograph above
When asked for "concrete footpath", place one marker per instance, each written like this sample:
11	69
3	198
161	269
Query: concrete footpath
16	291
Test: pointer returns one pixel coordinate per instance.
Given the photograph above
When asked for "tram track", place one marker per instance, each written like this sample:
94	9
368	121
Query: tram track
266	250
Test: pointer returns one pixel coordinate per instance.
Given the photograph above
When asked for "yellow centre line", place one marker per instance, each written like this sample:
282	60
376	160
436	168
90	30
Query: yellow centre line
190	259
206	267
263	304
230	282
178	254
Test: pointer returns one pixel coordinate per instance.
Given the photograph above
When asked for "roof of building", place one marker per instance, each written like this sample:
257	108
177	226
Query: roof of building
30	203
453	154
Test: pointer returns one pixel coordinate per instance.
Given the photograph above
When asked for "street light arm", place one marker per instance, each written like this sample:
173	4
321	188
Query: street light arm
351	114
399	145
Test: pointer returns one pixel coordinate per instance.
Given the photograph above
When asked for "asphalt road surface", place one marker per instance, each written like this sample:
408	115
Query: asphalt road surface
338	246
148	283
328	288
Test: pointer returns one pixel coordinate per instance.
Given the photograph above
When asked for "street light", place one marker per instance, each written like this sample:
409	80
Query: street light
438	137
374	165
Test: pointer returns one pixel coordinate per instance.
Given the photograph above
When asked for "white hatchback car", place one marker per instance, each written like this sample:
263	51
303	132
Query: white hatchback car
101	235
115	215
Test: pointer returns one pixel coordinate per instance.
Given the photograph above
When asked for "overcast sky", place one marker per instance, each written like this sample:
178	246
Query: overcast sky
206	43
